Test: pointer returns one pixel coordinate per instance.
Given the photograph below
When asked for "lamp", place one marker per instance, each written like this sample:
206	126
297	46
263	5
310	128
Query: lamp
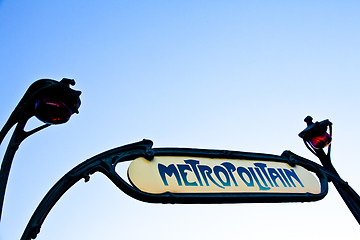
50	101
58	103
316	138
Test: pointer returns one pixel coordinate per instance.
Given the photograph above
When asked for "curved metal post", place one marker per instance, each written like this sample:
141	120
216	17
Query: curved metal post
350	197
107	161
104	163
42	90
17	137
318	130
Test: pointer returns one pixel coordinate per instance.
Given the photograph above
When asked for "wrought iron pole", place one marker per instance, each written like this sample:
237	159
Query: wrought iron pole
17	137
350	197
52	102
316	138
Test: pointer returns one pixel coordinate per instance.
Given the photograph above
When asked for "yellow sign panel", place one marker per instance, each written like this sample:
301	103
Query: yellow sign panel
179	174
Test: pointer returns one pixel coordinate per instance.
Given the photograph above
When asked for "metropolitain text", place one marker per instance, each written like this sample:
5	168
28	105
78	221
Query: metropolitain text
226	174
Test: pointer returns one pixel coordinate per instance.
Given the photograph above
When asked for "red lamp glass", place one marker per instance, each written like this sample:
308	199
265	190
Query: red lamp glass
316	134
52	111
321	141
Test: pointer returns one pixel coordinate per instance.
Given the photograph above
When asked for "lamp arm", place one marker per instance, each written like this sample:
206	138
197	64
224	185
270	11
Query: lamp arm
350	197
82	171
17	137
24	110
104	162
13	119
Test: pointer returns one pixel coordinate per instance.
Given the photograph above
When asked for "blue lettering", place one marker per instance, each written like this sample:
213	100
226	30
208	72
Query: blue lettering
217	171
193	164
261	187
169	170
182	169
193	174
241	171
284	177
291	173
206	173
230	168
262	166
274	175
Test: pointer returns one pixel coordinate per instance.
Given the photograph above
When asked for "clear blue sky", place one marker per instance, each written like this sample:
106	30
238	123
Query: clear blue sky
236	75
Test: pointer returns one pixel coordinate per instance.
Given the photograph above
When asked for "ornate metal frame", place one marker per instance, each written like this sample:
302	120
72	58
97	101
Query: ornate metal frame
24	111
106	163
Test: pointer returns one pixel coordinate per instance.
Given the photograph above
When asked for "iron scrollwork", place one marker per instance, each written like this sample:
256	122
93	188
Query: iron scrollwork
106	162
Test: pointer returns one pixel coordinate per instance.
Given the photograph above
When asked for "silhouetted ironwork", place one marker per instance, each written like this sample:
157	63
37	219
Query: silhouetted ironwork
56	99
318	131
54	102
106	162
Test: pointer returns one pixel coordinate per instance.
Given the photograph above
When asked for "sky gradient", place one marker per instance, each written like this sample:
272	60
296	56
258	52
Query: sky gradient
235	75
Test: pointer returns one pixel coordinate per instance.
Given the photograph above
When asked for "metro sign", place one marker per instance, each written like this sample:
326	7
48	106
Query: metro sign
217	175
188	175
196	176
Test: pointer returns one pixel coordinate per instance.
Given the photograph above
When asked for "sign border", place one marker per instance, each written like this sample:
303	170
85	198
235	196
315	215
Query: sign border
107	161
203	198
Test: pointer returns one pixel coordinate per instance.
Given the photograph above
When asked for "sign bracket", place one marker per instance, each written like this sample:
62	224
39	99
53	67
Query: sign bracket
106	162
